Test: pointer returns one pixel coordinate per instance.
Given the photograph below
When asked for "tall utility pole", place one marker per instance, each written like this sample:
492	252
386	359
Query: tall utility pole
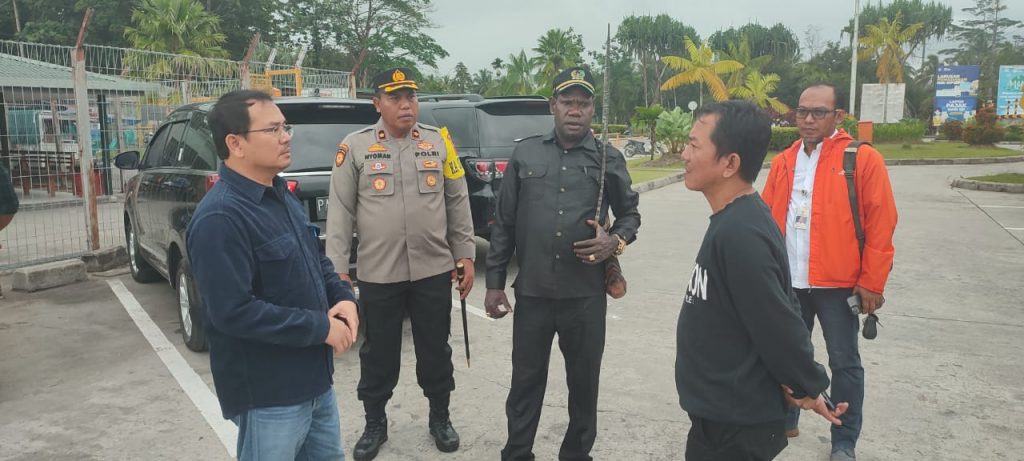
853	54
17	20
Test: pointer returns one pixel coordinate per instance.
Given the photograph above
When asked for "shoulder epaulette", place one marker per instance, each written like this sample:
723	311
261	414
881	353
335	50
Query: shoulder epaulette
527	137
424	126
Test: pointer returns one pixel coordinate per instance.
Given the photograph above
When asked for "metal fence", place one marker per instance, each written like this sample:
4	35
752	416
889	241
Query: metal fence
129	93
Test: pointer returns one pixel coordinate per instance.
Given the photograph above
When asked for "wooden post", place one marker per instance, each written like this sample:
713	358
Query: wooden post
84	132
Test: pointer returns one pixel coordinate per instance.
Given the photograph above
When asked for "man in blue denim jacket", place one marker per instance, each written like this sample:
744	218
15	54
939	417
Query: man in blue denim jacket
275	311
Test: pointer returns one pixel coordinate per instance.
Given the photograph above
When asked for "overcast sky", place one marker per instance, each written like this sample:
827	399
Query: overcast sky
477	31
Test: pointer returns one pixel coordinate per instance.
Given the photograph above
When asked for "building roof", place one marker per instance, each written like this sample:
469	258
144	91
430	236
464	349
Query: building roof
19	72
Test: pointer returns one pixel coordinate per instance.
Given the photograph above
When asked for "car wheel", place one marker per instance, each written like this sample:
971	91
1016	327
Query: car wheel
190	309
141	271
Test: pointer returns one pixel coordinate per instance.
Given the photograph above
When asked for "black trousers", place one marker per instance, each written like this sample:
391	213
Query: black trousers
580	324
715	441
429	304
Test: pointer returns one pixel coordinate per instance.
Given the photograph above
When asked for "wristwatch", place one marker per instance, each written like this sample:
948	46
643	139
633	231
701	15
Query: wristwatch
622	245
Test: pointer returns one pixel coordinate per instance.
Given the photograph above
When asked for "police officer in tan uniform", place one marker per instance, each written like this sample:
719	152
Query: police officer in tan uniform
401	186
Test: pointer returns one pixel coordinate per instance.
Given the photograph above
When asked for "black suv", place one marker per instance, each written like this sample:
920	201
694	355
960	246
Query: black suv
485	132
180	166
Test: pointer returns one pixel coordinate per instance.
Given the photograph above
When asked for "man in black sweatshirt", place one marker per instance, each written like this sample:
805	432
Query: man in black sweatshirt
742	350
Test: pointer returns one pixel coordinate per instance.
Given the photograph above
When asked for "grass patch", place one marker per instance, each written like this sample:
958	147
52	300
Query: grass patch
643	169
1005	178
936	150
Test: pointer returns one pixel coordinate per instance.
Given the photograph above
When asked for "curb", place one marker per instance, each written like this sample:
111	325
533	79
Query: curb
658	183
942	161
69	203
988	186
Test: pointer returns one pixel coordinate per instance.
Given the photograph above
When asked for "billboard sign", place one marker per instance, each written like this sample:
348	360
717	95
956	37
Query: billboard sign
956	94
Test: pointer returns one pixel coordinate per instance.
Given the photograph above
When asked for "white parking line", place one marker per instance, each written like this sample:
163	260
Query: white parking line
471	309
1002	206
190	382
1014	228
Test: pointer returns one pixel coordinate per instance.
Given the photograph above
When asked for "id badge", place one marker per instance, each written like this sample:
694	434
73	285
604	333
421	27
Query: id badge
802	218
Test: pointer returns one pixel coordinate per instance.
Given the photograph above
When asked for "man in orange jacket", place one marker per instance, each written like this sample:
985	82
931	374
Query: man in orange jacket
808	196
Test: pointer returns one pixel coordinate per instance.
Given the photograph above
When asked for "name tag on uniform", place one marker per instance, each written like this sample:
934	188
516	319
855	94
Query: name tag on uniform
803	216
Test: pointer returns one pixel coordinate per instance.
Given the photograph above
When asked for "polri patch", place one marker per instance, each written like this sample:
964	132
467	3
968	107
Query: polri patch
430	164
342	153
431	180
423	145
378	166
377	147
380	184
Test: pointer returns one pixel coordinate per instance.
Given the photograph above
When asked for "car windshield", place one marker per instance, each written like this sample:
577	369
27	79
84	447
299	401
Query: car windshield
319	128
501	124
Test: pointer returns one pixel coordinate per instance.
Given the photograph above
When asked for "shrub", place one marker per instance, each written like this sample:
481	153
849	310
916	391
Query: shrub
906	131
1014	133
952	130
673	128
782	138
984	130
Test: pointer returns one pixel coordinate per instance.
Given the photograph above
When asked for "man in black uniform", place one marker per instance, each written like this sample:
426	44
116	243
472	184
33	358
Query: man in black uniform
740	340
545	216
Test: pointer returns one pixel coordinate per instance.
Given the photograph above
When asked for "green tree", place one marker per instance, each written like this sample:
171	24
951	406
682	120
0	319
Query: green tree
462	81
648	38
886	43
758	89
519	74
983	40
557	50
181	27
740	52
484	83
702	68
241	19
623	79
646	119
936	17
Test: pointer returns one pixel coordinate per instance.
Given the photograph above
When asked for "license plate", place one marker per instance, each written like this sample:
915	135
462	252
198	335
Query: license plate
321	208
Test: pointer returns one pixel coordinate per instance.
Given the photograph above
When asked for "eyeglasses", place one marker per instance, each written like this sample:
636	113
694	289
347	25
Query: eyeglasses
275	130
818	114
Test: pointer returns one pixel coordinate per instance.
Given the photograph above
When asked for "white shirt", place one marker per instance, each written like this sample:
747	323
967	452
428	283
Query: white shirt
798	216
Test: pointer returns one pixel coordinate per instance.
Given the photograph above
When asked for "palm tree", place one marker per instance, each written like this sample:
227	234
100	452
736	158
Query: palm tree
740	52
181	28
176	27
701	67
885	43
758	89
557	49
519	73
497	64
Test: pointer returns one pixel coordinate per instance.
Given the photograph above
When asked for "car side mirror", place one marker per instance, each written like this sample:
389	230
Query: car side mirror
127	160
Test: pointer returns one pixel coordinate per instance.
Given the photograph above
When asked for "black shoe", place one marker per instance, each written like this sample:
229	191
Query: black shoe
445	437
375	434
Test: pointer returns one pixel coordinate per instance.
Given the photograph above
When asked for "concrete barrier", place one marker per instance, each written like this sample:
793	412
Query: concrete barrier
105	260
50	275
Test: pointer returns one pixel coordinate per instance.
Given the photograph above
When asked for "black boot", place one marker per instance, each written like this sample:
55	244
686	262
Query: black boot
445	437
375	434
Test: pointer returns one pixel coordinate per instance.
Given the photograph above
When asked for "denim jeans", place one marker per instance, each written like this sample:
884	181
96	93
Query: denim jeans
309	431
840	328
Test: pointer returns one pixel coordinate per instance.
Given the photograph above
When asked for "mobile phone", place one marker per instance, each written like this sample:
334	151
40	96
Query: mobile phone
828	402
854	302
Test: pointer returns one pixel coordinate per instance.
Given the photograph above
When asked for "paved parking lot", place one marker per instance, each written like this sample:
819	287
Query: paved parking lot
83	375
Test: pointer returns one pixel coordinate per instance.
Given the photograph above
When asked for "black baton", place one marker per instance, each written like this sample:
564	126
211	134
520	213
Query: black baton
460	274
